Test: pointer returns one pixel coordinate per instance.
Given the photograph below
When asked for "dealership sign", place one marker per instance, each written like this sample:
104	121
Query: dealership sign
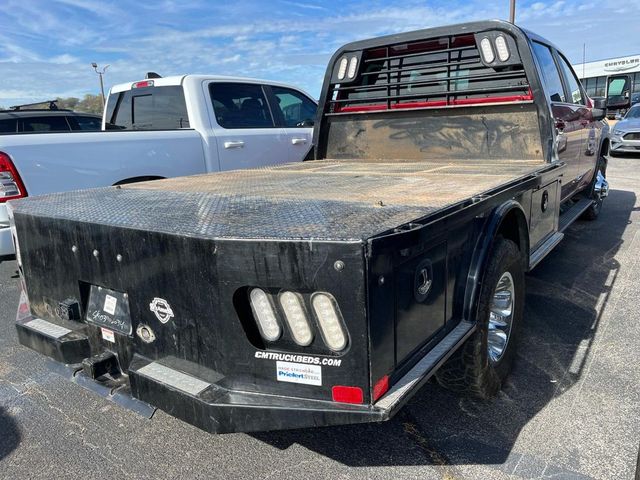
608	66
622	64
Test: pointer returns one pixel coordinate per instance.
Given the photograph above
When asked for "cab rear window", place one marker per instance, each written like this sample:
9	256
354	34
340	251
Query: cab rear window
149	108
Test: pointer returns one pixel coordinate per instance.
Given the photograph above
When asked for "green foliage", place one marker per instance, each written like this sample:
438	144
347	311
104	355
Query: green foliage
89	104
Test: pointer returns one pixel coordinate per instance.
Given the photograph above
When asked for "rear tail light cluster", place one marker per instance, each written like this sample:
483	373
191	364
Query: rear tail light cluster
326	310
11	186
265	315
296	317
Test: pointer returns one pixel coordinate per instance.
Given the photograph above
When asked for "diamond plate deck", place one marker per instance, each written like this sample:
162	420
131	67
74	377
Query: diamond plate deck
174	378
321	200
47	328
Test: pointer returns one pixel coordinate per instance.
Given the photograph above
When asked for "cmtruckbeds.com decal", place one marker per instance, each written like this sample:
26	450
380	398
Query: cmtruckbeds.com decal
291	357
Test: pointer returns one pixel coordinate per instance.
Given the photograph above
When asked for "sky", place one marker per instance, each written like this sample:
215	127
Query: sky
47	46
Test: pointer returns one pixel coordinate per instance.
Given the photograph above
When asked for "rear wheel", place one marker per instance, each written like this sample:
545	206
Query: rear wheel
480	366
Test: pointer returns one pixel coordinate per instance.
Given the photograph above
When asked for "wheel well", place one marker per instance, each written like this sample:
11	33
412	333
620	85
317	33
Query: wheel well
514	227
138	179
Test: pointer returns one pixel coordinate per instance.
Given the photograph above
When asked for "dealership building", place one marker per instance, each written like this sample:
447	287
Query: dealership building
594	74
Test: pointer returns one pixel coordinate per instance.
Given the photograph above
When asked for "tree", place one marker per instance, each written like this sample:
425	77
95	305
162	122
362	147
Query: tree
89	104
69	103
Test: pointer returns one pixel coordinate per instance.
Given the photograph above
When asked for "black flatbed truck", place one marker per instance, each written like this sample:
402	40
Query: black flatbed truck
327	292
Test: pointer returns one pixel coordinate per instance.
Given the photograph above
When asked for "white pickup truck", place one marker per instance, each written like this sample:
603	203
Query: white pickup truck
160	128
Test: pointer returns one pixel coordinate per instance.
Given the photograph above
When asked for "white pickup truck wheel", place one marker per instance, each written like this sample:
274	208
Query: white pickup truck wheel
599	190
480	366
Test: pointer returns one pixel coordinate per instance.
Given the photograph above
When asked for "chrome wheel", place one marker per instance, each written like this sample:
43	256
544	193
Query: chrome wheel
501	317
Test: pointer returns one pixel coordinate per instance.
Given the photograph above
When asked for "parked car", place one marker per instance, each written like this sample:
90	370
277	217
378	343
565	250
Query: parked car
160	128
328	292
625	137
25	119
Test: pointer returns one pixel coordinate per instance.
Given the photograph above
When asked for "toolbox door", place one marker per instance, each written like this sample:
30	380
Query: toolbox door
420	287
544	214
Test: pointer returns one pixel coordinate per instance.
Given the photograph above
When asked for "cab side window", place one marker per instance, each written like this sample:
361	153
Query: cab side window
45	124
88	123
550	74
297	110
575	92
240	105
10	125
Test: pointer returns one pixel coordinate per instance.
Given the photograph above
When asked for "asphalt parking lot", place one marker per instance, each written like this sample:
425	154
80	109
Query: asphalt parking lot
571	408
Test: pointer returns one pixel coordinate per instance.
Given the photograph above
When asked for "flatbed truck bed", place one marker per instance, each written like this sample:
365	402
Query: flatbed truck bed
320	200
327	292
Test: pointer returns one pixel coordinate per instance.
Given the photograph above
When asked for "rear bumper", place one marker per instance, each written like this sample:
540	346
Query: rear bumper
205	404
6	244
218	410
210	406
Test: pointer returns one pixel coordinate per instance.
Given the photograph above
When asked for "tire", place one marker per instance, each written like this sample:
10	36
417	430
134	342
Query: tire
472	369
593	211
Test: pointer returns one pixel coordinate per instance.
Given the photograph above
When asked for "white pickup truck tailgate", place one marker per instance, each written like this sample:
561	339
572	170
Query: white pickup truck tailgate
61	162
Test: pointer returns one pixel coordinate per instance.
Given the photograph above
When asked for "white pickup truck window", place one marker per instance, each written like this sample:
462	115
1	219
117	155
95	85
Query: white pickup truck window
240	105
150	108
297	110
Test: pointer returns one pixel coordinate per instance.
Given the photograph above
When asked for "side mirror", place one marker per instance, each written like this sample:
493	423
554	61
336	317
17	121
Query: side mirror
600	103
598	113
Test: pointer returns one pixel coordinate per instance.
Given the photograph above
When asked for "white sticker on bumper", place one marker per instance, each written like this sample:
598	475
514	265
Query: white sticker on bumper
108	335
299	373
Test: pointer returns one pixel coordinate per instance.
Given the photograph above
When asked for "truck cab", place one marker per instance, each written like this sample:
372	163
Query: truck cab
245	122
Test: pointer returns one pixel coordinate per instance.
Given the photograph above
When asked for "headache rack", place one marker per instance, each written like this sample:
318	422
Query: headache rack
439	72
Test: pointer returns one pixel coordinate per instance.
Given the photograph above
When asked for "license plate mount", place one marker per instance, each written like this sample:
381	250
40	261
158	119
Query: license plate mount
109	309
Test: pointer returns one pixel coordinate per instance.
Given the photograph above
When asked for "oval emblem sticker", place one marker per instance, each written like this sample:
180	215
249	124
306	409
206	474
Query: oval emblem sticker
162	310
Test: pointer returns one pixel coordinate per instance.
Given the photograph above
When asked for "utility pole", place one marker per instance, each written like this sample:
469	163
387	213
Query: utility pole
512	11
584	58
100	74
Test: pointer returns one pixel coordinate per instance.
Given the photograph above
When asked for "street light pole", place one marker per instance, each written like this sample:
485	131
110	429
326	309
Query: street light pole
512	11
100	74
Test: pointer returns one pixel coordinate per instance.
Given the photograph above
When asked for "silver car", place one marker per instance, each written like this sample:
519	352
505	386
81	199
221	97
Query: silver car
625	137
